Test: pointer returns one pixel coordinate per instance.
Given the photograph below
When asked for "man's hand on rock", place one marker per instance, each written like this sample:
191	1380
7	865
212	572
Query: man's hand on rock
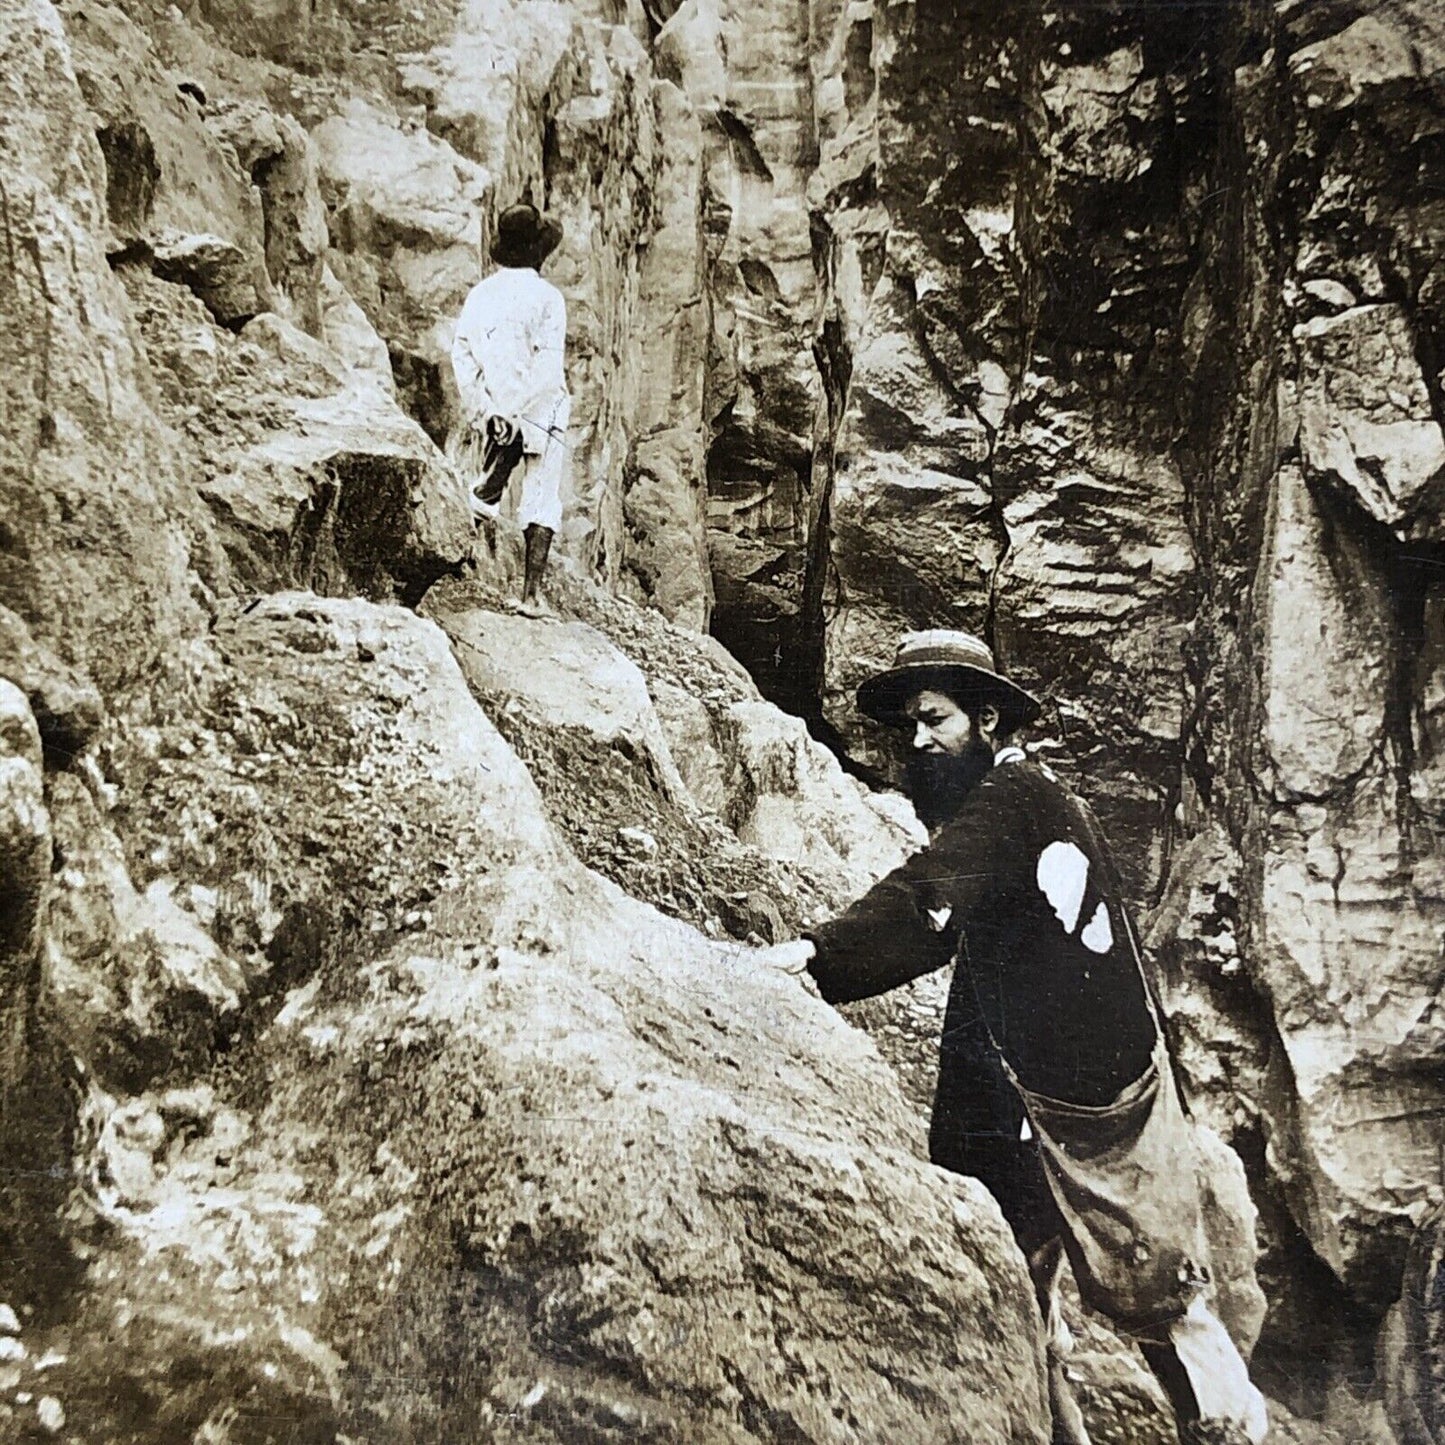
790	957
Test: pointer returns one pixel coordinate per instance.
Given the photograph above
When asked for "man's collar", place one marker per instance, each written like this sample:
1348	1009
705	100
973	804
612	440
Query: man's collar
1010	755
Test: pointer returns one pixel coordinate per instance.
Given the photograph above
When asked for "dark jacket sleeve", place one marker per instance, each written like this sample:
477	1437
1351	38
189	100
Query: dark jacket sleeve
908	923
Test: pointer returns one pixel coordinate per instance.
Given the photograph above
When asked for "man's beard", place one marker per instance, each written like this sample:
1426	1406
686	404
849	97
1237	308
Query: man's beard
939	782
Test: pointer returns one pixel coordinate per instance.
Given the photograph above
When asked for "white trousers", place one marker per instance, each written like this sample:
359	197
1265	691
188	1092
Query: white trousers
534	490
539	477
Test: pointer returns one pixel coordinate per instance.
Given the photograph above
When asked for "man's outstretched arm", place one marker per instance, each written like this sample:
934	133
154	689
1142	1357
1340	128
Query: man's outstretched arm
908	923
888	937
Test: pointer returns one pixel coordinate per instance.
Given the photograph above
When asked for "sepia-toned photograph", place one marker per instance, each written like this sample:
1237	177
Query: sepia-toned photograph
722	722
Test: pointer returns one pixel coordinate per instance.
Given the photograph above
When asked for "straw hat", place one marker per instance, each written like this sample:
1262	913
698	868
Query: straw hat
948	661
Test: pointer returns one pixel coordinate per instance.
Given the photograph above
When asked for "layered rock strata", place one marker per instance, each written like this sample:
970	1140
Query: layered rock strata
1313	434
337	1089
1109	333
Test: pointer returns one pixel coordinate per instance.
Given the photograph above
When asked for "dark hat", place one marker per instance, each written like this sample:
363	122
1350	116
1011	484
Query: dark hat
525	236
956	663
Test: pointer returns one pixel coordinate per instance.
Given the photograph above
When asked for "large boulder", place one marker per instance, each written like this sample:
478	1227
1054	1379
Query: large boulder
566	675
576	1169
788	796
665	768
348	331
766	833
405	213
313	474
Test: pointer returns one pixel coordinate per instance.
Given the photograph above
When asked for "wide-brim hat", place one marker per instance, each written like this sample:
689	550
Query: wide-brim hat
952	662
525	236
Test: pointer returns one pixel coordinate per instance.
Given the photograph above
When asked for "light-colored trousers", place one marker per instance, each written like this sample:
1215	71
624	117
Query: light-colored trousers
1196	1345
534	492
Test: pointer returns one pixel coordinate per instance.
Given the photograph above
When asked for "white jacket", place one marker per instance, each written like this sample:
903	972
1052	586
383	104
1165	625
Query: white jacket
509	351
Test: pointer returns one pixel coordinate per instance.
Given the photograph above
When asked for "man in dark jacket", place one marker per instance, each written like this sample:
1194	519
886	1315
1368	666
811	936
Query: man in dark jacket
1053	1087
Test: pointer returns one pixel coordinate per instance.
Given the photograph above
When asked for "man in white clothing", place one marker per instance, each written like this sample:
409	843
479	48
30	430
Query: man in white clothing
508	359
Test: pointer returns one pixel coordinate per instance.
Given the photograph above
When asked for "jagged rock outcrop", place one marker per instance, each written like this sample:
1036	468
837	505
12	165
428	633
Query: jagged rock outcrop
1004	463
664	500
173	188
405	216
312	472
1144	388
783	94
378	1111
562	106
98	525
1111	333
410	942
1312	425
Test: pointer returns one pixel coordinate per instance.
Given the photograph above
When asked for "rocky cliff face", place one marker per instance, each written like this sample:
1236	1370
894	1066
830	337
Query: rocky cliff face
1309	793
377	998
358	1075
1144	386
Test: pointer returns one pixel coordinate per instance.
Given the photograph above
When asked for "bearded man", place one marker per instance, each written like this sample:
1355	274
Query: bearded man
1054	1085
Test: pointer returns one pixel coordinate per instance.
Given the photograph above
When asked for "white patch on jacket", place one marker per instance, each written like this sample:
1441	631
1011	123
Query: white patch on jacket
1063	875
1098	936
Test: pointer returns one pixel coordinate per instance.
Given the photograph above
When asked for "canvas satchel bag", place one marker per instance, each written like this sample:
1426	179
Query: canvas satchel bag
1125	1176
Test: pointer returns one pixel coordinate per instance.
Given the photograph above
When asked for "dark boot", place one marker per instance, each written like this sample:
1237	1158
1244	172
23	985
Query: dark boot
539	544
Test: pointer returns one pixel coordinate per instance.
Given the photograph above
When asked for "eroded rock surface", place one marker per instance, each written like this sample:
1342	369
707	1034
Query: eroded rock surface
98	521
418	948
313	916
667	770
1112	334
1144	389
1316	451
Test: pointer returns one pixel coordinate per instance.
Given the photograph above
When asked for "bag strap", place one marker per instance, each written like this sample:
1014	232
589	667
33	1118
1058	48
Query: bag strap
1156	1007
1151	1001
